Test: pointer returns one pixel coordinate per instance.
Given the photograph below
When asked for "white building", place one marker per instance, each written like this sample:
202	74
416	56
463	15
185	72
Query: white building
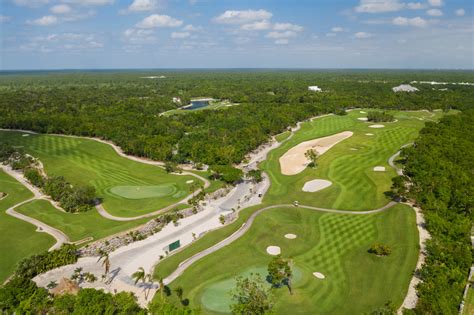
176	100
314	88
404	88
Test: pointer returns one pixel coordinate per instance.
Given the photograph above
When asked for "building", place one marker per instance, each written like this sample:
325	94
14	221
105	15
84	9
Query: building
314	88
404	88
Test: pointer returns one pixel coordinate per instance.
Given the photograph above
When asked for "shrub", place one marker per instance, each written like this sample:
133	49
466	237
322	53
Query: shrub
380	249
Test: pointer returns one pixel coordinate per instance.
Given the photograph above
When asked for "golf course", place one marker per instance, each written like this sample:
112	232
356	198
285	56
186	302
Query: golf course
334	246
127	188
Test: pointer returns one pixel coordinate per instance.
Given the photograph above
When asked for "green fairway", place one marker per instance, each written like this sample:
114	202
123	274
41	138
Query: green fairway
76	226
83	161
333	244
348	165
19	239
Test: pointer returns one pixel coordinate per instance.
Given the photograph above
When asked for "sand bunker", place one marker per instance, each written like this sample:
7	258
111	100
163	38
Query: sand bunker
290	236
315	185
274	250
379	169
319	275
363	118
362	112
376	126
369	134
189	181
25	135
294	161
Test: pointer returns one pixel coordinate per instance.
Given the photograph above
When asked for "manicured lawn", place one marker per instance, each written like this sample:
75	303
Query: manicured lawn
469	302
18	238
76	226
333	244
282	136
83	161
348	165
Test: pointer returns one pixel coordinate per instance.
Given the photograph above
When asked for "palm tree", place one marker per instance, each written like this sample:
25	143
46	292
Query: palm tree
162	285
139	275
149	278
105	263
179	293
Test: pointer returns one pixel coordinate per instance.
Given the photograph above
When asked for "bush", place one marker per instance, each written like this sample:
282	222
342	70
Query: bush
380	249
380	117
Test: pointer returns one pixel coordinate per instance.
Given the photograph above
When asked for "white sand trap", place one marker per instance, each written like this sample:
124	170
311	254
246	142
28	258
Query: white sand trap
369	134
315	185
25	135
376	126
274	250
294	161
319	275
379	169
290	236
189	181
363	118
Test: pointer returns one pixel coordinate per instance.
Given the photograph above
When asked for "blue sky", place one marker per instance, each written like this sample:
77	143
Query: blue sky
59	34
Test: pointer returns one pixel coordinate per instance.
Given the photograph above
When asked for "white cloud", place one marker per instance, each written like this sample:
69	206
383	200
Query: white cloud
281	42
436	3
191	28
63	42
460	12
278	35
46	20
403	21
89	2
378	6
180	35
4	18
60	9
242	17
133	35
30	3
287	27
434	12
156	20
143	5
362	35
337	29
416	6
256	26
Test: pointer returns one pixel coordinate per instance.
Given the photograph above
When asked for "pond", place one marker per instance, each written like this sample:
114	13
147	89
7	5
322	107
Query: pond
197	104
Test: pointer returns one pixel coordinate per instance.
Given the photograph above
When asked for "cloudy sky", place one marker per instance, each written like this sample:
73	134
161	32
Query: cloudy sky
59	34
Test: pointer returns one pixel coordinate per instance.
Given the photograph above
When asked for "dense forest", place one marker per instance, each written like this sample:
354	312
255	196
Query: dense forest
125	107
440	169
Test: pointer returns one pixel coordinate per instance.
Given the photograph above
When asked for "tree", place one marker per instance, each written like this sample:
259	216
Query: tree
139	275
105	262
280	273
179	293
399	187
251	296
255	175
312	156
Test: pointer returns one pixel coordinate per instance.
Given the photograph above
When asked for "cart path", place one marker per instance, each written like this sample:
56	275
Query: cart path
248	224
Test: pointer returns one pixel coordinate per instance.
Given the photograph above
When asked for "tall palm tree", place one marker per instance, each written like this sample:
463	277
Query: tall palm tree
162	286
139	275
149	278
179	292
105	262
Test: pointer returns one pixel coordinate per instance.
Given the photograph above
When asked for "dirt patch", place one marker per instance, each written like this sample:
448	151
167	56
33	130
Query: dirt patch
274	250
294	161
315	185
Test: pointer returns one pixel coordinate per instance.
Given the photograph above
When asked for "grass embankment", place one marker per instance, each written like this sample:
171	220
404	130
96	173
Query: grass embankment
76	226
348	165
19	239
333	244
83	161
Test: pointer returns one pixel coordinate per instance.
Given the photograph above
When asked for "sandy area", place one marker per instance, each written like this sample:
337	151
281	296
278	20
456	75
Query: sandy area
369	134
379	169
362	112
376	126
290	236
363	118
189	181
319	275
274	250
294	161
25	135
315	185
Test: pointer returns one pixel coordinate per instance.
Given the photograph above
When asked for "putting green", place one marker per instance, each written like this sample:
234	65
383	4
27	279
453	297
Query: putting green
217	298
142	192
